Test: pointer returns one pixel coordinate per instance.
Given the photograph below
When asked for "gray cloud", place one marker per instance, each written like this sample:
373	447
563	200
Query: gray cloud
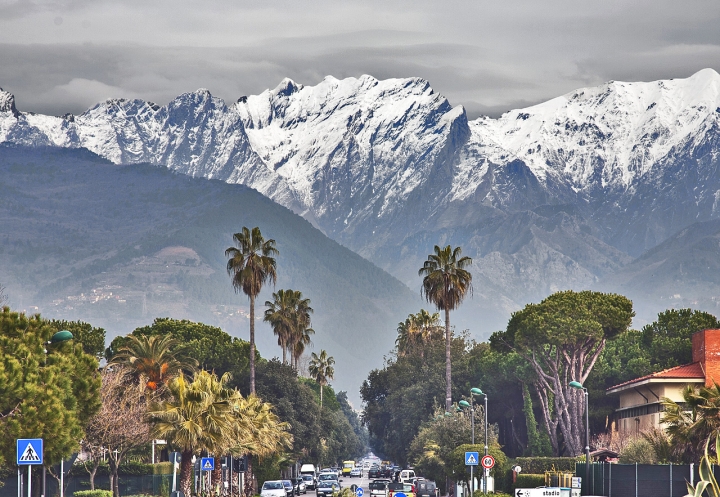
489	56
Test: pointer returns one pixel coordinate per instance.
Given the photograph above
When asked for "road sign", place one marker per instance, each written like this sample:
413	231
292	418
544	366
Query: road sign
471	458
29	451
207	464
359	492
487	462
576	482
399	494
538	492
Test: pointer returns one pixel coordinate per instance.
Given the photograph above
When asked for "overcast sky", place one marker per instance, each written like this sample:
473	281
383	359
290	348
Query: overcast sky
490	56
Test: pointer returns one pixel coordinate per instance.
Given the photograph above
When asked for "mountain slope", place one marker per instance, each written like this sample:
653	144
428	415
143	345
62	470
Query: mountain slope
121	245
557	195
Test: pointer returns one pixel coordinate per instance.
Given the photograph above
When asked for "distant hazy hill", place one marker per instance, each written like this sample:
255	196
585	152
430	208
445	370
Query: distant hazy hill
81	238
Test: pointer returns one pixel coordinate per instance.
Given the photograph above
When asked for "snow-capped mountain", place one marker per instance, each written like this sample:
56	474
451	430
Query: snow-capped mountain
390	168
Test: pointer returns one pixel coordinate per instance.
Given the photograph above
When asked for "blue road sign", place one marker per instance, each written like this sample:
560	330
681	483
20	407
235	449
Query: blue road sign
29	451
400	494
207	464
472	459
359	492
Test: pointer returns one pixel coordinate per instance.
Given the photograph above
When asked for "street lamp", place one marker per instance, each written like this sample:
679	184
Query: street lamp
579	386
473	392
59	337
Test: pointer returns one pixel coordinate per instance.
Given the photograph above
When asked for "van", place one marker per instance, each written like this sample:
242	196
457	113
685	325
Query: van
347	467
406	475
310	470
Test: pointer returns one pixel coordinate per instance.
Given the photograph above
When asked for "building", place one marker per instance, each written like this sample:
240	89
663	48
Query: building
640	408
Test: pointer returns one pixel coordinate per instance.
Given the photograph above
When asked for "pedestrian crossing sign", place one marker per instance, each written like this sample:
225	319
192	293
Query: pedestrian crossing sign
207	464
29	451
471	458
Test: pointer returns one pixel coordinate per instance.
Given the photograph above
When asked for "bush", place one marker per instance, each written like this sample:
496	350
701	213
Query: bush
93	493
528	480
479	493
538	465
125	469
638	451
163	468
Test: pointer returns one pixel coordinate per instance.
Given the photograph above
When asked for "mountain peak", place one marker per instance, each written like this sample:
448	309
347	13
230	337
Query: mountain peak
7	103
286	88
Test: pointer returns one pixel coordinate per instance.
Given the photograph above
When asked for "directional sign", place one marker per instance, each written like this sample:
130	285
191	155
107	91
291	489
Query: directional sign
537	492
471	458
487	462
359	492
207	463
399	494
29	451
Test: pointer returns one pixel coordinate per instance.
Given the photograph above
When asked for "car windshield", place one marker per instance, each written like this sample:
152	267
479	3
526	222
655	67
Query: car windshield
328	476
327	484
272	485
377	485
307	477
287	483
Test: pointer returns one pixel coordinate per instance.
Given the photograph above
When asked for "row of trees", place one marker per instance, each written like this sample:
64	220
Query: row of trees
525	370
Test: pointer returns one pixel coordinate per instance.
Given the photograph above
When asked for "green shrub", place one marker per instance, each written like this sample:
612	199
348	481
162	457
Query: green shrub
538	465
638	451
93	493
528	480
479	493
163	468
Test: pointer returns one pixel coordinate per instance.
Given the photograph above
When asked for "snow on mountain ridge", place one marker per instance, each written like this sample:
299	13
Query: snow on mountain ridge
605	136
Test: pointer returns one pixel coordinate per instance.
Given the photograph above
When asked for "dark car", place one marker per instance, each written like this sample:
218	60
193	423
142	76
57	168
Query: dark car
326	488
425	488
374	472
289	488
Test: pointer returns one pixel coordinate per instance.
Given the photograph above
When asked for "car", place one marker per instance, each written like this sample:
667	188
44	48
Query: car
406	488
374	472
289	488
299	485
326	488
309	481
426	488
273	488
356	471
328	477
378	488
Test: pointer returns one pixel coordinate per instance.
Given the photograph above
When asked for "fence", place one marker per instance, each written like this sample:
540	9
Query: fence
128	485
639	480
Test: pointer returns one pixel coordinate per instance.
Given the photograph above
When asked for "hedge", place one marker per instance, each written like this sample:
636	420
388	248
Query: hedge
162	468
126	469
538	465
528	480
93	493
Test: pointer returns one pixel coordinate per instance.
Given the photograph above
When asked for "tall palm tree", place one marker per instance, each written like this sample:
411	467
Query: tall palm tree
250	265
300	337
153	359
280	314
446	282
322	370
198	416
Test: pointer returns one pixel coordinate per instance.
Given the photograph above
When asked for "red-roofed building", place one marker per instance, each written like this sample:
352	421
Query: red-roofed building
640	407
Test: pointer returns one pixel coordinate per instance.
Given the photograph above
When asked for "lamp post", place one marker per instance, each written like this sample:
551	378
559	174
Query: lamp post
579	386
59	337
476	391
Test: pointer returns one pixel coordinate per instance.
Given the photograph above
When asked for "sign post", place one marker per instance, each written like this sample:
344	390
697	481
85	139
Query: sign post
29	453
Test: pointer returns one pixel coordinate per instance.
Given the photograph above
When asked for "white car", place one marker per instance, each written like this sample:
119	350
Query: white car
356	471
273	488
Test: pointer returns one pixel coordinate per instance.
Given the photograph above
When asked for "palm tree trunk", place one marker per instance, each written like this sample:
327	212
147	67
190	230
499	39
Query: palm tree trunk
252	344
321	395
284	348
448	373
186	473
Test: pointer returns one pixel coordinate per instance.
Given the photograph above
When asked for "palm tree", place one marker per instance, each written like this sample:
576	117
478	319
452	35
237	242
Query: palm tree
250	266
198	416
446	282
280	313
154	359
693	422
300	337
322	370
